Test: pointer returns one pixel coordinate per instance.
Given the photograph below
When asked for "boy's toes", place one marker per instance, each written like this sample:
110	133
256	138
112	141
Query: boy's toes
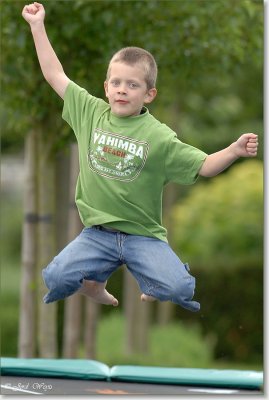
145	297
114	301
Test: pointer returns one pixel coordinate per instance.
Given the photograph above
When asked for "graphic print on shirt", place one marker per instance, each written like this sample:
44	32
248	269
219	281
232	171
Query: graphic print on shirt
115	156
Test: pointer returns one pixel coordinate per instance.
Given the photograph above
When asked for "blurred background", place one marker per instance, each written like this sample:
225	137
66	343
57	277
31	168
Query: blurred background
210	90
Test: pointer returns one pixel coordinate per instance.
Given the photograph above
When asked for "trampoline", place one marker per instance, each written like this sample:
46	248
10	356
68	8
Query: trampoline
90	377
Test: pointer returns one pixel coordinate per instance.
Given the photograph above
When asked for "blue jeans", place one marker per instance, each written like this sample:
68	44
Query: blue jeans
96	253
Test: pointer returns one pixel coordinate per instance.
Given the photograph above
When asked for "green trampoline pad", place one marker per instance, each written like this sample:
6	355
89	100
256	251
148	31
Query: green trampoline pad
95	370
189	376
56	368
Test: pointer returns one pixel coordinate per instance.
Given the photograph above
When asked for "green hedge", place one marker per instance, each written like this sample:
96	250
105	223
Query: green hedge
232	308
219	231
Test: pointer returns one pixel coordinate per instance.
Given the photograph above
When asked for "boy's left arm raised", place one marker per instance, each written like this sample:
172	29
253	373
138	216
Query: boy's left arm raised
245	146
50	65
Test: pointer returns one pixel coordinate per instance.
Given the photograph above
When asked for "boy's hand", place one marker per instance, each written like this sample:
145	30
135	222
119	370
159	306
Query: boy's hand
246	145
33	13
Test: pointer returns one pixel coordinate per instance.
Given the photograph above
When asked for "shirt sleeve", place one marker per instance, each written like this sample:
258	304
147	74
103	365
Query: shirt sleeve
79	106
183	162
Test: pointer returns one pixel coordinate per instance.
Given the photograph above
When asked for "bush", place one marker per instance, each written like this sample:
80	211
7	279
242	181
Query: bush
11	218
175	345
232	308
9	309
221	235
221	222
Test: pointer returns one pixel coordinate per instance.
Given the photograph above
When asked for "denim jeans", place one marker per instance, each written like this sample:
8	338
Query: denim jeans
96	253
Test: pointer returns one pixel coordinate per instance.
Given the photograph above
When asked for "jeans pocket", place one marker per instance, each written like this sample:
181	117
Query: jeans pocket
186	265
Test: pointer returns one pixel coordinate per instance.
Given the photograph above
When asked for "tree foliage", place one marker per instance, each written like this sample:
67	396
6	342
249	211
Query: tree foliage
219	231
210	62
221	223
201	47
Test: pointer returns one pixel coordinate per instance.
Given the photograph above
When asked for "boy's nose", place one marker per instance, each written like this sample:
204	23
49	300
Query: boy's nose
122	89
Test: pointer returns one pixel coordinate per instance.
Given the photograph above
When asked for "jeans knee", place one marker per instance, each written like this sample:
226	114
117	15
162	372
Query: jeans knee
183	290
60	280
51	275
183	294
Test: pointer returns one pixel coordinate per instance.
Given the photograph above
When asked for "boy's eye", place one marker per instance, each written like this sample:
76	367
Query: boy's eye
115	83
133	85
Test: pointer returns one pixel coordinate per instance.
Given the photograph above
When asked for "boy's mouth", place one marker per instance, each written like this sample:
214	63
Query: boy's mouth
122	101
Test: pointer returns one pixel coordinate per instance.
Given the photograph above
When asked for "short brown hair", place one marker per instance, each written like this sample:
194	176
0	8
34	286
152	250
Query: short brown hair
137	55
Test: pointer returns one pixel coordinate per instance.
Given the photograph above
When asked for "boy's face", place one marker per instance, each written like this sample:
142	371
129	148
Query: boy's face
126	89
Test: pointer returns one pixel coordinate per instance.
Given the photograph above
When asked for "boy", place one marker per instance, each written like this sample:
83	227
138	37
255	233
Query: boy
126	158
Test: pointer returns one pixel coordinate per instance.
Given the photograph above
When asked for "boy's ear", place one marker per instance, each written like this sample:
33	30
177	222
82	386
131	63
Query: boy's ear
150	95
105	86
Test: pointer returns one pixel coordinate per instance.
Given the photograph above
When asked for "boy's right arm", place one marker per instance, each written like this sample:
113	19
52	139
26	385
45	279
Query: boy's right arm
50	65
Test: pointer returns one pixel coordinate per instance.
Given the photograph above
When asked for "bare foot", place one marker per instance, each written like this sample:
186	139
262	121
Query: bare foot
145	297
97	292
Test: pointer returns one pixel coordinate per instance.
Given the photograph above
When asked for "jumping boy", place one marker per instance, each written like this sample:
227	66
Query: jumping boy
126	158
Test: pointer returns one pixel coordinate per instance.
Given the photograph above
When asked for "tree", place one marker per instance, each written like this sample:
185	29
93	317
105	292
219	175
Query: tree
221	236
223	220
137	317
46	234
29	253
73	304
199	47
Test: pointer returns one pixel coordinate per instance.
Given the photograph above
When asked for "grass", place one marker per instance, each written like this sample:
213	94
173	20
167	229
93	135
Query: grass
11	221
10	297
174	345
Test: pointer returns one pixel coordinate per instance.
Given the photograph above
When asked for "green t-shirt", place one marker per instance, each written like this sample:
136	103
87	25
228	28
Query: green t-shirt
125	162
